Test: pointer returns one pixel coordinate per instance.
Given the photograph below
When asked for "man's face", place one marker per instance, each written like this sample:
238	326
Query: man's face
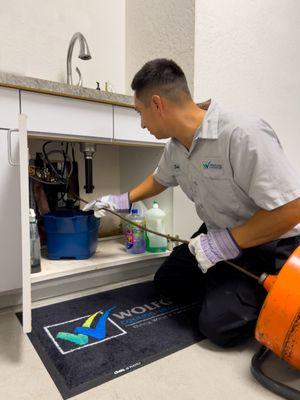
151	118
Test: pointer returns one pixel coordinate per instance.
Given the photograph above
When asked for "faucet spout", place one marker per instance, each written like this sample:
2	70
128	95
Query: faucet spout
84	54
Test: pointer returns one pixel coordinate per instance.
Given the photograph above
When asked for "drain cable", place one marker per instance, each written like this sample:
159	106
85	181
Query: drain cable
168	237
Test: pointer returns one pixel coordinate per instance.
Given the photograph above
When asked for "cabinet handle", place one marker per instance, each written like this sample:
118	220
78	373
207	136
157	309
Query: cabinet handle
9	155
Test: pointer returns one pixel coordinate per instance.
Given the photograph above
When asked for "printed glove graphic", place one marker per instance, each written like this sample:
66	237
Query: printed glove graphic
119	203
215	246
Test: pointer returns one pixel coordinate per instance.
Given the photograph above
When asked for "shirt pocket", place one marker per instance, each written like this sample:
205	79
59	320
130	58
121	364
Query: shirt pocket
218	195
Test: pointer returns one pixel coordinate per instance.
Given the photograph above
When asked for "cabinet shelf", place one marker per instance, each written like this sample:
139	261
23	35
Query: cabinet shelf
109	253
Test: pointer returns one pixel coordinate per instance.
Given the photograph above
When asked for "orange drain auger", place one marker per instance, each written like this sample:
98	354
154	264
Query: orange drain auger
278	324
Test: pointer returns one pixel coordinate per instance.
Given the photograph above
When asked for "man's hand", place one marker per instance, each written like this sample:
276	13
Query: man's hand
119	203
215	246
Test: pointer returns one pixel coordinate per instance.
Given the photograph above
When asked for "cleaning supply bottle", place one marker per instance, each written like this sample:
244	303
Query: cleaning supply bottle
140	206
35	245
155	220
134	236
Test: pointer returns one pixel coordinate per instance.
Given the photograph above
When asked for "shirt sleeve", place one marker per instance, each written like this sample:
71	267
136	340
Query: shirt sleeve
260	167
163	173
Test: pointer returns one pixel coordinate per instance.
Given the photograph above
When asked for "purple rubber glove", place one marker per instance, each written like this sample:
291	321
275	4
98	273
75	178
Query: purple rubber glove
119	203
215	246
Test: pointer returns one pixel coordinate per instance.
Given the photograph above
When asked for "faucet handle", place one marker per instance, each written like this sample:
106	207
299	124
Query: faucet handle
80	77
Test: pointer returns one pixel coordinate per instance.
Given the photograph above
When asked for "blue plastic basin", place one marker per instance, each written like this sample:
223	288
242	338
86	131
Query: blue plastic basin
71	234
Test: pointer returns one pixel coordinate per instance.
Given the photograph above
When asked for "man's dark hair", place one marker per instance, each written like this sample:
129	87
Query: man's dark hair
163	77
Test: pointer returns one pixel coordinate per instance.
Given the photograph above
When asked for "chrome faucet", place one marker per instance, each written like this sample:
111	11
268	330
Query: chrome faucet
84	54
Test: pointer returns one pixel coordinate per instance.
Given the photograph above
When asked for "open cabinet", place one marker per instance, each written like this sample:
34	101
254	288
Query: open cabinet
117	168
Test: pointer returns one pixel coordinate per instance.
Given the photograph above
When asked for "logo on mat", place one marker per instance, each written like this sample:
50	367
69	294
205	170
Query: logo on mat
86	331
211	165
99	327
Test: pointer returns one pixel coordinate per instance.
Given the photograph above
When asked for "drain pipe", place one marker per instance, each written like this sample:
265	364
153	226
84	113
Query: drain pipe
88	149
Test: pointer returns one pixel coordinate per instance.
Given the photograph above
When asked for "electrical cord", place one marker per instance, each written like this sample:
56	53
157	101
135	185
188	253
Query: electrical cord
65	154
48	161
276	387
60	176
45	182
66	158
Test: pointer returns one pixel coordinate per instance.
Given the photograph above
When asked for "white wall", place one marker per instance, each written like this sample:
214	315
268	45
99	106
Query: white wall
247	57
156	29
35	35
159	29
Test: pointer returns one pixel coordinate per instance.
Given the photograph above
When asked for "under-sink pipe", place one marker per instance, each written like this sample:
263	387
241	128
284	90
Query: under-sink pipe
88	149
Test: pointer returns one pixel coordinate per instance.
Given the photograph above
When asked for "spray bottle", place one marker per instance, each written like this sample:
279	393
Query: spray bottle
35	246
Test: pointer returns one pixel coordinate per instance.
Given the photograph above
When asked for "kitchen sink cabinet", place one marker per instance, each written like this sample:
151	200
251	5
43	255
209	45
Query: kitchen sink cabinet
116	168
122	160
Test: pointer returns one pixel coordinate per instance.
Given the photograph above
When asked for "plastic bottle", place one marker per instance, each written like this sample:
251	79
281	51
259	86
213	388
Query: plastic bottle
155	220
140	206
35	245
134	236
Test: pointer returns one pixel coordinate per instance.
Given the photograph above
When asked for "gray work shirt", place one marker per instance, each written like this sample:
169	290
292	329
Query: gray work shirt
234	167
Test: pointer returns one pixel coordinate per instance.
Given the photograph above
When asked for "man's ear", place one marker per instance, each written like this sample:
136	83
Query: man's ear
158	103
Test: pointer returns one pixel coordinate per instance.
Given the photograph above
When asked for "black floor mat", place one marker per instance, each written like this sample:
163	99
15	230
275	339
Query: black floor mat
87	341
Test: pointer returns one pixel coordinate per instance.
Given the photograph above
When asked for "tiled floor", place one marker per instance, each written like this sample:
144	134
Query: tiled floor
201	371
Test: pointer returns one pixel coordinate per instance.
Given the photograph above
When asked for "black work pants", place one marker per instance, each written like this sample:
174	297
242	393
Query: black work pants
230	299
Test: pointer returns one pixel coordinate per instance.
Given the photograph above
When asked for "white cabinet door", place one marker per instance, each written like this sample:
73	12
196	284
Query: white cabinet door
127	126
24	225
61	115
9	107
10	233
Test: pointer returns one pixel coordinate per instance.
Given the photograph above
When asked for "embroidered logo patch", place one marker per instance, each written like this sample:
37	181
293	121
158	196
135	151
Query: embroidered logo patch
211	165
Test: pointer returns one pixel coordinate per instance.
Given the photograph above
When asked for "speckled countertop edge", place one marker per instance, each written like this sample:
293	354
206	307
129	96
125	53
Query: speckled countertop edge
63	89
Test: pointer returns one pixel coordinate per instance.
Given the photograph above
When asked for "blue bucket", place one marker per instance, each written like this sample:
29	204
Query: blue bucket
71	234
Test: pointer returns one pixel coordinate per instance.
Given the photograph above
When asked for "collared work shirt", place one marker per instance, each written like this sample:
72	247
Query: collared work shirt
234	167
